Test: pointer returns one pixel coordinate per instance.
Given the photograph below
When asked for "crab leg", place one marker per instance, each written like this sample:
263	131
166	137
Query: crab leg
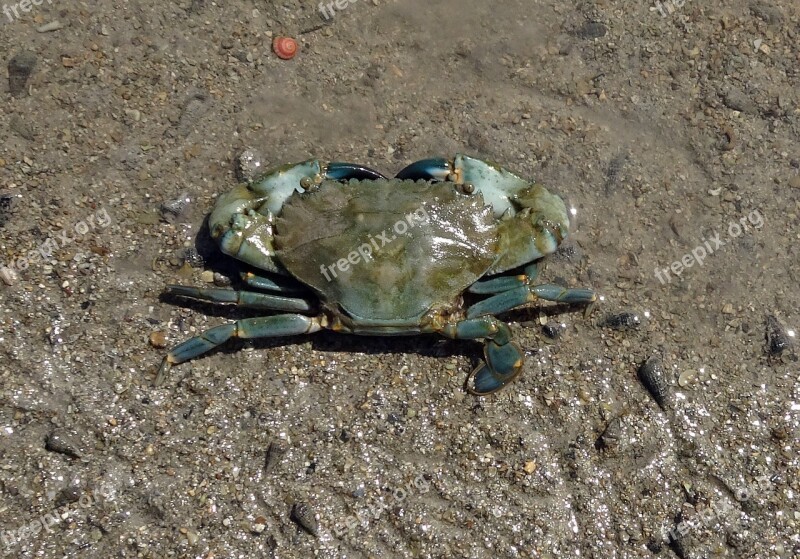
525	293
496	285
504	283
280	285
244	299
258	327
503	357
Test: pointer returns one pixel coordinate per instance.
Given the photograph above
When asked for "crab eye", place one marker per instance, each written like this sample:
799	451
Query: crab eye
306	183
467	188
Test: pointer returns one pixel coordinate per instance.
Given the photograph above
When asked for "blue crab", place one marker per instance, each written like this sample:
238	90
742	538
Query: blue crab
344	248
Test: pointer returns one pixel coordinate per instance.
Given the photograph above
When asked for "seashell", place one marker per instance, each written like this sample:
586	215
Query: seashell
172	209
552	330
622	321
20	68
275	452
610	438
193	258
652	375
284	47
305	517
777	340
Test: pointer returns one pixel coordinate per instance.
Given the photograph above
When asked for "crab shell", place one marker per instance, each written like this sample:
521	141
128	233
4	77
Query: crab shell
391	252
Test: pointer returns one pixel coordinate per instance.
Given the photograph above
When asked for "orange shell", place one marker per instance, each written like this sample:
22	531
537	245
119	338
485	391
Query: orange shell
284	47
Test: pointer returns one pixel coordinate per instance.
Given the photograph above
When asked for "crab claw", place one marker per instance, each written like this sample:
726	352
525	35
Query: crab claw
497	185
503	365
436	169
536	230
242	218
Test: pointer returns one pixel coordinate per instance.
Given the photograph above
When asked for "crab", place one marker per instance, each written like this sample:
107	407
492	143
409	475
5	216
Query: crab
339	246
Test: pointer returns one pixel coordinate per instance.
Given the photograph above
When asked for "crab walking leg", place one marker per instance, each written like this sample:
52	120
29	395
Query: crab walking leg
504	283
497	285
525	293
279	284
245	299
503	358
258	327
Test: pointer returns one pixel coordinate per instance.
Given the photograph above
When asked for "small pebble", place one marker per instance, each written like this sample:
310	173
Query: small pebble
736	99
687	378
22	127
552	330
20	68
6	206
249	165
592	30
50	26
8	275
221	280
158	339
259	525
207	276
611	435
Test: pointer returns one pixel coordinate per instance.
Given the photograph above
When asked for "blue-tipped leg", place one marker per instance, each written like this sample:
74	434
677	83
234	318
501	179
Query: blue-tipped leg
503	364
437	169
345	171
497	285
245	299
503	357
501	302
559	294
509	292
258	327
505	283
